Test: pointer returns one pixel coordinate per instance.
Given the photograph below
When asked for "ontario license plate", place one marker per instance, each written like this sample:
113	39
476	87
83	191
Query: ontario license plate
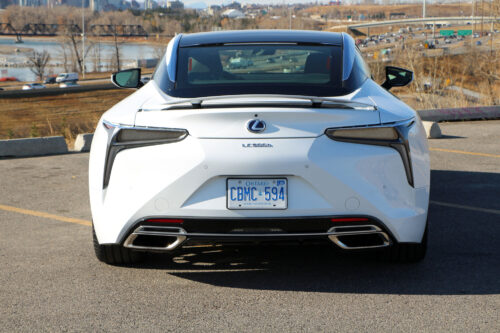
256	193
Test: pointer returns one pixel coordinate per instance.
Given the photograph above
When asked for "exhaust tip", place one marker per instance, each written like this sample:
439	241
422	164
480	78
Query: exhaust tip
359	237
155	238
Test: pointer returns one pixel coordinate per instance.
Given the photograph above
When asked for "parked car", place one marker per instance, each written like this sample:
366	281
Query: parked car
240	62
31	86
217	154
50	80
67	77
68	84
8	78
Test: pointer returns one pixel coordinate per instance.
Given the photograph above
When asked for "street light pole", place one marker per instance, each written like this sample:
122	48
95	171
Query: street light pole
83	39
473	25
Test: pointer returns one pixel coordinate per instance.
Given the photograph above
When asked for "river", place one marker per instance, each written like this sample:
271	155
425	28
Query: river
103	51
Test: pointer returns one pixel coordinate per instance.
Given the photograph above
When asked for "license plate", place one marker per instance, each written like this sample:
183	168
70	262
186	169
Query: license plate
256	193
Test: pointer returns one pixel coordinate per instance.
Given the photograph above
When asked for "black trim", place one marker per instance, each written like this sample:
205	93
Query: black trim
261	36
288	225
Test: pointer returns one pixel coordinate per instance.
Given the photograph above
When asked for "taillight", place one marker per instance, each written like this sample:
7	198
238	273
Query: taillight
375	133
125	137
148	136
391	135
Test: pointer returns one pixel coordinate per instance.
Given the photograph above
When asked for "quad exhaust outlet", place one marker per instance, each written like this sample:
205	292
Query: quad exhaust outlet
357	237
168	238
156	238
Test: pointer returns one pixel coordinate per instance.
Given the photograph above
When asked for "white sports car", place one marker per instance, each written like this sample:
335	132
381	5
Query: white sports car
295	142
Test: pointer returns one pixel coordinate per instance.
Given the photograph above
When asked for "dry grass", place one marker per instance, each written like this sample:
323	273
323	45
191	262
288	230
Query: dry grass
67	115
476	71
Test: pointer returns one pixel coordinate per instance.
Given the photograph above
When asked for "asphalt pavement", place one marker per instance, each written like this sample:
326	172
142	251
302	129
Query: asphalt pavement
50	279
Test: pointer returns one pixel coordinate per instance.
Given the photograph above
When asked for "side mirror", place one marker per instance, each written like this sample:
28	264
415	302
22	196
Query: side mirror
129	78
396	77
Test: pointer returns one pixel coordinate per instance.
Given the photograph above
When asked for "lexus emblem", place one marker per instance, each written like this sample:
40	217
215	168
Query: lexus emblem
256	126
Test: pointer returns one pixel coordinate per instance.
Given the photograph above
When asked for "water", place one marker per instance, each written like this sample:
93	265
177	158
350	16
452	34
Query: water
128	53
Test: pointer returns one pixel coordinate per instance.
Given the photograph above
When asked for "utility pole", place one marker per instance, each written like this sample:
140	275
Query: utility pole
474	25
492	34
482	16
83	39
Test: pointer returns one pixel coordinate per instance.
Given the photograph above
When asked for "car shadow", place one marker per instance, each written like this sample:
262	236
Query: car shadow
463	255
451	137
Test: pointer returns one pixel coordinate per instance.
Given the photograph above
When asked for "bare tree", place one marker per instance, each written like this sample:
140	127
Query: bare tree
38	62
158	51
117	49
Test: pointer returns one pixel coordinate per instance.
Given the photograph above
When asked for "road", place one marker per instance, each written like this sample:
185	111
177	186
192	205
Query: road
51	281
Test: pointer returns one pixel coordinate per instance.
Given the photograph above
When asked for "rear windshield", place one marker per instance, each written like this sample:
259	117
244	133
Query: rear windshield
293	69
255	69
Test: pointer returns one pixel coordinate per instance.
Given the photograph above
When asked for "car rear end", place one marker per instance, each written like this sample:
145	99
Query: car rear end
298	171
258	167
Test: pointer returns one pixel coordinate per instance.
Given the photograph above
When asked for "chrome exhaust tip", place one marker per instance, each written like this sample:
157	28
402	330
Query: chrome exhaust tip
357	237
155	238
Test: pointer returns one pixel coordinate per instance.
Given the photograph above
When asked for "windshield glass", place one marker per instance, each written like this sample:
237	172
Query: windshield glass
279	68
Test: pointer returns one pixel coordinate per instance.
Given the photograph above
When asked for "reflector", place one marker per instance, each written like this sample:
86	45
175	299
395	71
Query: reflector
165	220
350	219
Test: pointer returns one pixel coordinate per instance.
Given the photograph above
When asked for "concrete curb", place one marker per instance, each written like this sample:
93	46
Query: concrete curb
83	142
472	113
33	146
432	129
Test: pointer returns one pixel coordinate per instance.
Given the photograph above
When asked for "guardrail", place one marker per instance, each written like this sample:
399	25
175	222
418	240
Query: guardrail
55	91
469	113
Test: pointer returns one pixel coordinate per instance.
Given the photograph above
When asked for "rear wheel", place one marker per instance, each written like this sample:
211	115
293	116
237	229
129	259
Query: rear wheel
408	252
115	254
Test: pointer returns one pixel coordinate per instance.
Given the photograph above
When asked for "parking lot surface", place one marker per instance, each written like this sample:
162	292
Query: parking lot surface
50	279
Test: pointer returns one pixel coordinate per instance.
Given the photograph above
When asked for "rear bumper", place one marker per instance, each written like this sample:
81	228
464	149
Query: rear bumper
188	180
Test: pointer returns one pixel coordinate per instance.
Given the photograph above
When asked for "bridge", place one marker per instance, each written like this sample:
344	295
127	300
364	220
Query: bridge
43	29
354	28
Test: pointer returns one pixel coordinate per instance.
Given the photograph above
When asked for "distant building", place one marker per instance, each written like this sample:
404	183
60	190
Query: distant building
32	3
75	3
233	5
233	13
135	5
95	5
175	5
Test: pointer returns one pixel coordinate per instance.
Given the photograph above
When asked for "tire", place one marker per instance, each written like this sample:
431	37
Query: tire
115	254
408	252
